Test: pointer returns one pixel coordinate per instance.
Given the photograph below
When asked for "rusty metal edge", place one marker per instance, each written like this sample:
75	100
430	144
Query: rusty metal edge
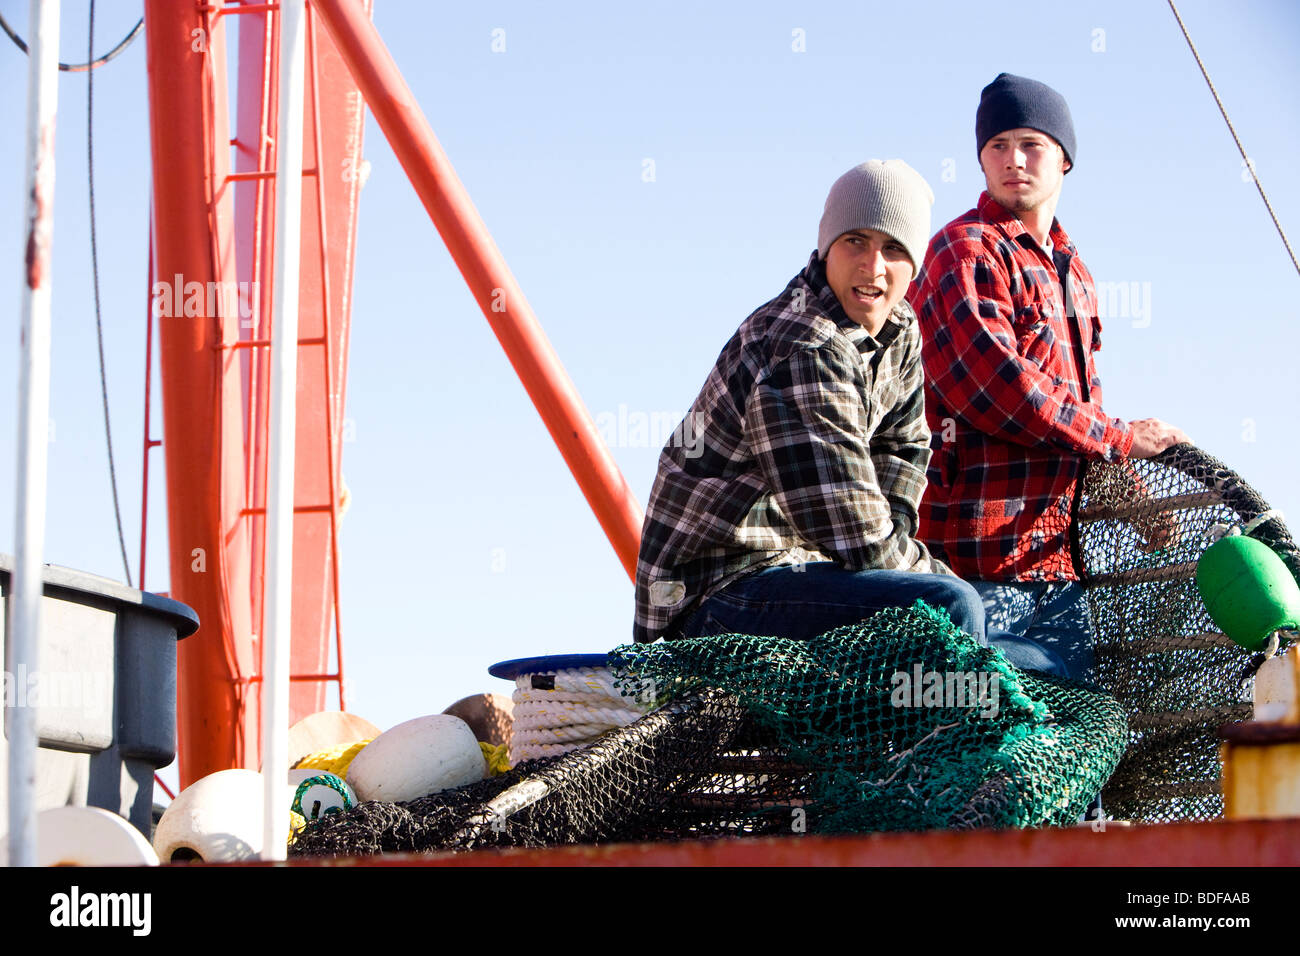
1224	843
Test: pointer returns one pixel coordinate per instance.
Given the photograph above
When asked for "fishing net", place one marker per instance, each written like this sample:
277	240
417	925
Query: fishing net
1142	527
901	722
866	728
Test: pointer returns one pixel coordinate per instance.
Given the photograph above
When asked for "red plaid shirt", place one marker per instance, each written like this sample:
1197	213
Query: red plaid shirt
1011	396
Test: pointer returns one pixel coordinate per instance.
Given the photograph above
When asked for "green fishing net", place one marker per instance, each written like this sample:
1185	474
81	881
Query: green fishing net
901	722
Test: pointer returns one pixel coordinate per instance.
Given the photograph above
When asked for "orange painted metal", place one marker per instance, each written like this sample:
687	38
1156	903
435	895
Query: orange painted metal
202	437
1218	844
487	275
333	122
214	224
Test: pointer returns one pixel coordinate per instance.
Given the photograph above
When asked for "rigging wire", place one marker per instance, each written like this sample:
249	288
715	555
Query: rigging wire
1246	159
91	63
94	268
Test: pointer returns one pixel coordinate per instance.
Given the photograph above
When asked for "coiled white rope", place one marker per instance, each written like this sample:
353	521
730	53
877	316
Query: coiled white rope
563	710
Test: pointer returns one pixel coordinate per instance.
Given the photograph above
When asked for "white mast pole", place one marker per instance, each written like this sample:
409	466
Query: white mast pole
284	391
33	423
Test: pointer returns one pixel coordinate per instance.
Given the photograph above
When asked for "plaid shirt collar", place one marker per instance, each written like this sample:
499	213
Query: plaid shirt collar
992	211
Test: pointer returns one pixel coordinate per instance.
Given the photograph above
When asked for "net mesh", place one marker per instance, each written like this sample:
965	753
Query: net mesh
1142	527
865	728
900	722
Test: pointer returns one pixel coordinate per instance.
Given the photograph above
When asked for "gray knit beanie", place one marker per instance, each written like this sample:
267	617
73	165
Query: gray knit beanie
886	195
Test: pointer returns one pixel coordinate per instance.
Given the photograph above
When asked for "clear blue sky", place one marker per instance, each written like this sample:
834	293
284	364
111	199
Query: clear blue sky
467	541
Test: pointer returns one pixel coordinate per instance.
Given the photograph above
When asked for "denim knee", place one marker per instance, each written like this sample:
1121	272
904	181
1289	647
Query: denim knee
964	606
1027	655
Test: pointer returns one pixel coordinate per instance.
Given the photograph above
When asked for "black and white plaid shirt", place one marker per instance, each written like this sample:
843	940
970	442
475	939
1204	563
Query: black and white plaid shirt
808	442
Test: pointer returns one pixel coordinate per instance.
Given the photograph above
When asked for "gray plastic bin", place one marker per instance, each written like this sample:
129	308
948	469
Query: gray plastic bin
105	693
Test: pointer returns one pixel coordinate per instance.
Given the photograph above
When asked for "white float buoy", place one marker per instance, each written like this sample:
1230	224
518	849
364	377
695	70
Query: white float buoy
417	758
88	836
216	819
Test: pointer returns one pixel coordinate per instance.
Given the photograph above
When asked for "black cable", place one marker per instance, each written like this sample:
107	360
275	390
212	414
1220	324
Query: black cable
94	268
80	67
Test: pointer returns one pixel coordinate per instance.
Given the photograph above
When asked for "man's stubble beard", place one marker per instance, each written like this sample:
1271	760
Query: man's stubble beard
1021	204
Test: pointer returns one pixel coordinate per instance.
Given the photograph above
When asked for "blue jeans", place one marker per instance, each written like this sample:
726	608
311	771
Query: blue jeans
1040	626
801	604
803	601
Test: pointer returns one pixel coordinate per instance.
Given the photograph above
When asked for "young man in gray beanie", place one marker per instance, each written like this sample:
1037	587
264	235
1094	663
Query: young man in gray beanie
794	509
1008	318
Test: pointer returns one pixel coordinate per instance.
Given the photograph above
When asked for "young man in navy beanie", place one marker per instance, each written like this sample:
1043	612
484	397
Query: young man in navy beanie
1009	325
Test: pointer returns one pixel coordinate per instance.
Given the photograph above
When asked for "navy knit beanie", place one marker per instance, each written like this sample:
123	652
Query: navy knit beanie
1014	102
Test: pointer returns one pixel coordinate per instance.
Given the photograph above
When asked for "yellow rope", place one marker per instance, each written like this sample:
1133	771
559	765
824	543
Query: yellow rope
335	760
498	758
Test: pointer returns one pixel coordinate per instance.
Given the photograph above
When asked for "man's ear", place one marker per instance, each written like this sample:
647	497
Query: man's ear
1066	165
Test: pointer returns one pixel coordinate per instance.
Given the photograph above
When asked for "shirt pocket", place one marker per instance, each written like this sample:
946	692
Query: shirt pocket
1040	342
989	519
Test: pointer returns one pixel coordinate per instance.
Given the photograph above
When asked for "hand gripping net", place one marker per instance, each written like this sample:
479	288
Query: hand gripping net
1156	648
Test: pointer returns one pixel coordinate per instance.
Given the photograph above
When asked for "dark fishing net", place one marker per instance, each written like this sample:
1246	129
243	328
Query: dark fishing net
1143	526
901	722
615	789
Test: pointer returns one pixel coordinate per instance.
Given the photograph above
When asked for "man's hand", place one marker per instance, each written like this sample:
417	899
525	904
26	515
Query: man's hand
1160	531
1151	436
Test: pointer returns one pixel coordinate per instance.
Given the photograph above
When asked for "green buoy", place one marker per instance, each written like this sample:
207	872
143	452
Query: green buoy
1247	589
